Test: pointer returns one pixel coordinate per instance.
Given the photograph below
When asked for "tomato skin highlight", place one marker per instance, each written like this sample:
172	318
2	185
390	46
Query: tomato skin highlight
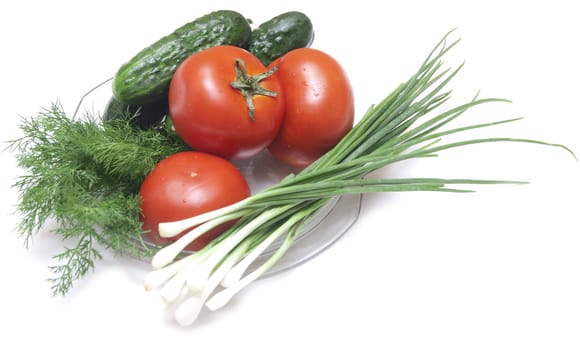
212	116
319	106
186	184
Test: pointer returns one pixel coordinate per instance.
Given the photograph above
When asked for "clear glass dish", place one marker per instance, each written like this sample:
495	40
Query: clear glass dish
330	223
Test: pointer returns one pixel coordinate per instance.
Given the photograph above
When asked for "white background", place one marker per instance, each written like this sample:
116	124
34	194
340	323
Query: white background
496	269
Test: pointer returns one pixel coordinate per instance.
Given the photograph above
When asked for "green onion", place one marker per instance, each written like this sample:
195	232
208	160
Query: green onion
403	126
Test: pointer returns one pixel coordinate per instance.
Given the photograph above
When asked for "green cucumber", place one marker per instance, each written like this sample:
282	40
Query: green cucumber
146	77
285	32
143	116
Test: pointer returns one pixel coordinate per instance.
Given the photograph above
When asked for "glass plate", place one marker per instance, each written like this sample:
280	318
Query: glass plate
330	223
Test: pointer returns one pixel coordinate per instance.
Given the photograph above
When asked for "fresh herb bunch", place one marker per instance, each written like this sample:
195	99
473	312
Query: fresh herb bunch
405	125
85	174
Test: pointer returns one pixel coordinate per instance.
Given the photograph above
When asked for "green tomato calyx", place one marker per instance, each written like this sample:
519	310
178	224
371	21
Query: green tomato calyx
250	85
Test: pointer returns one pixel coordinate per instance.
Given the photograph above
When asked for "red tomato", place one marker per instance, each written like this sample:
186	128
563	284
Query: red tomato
212	116
187	184
319	106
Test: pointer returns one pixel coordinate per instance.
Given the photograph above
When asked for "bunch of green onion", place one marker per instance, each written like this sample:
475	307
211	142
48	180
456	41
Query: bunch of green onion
391	131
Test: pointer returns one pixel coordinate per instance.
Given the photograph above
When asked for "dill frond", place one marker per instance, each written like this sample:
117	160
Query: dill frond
85	174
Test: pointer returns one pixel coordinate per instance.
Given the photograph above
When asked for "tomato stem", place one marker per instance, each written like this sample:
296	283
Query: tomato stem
249	85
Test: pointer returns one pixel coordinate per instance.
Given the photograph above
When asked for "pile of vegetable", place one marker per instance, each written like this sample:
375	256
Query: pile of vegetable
157	166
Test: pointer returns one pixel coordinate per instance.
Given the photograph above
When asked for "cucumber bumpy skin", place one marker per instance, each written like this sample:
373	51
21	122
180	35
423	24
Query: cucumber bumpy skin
283	33
146	77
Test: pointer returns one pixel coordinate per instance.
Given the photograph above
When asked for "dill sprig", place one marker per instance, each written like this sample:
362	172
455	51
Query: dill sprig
85	174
